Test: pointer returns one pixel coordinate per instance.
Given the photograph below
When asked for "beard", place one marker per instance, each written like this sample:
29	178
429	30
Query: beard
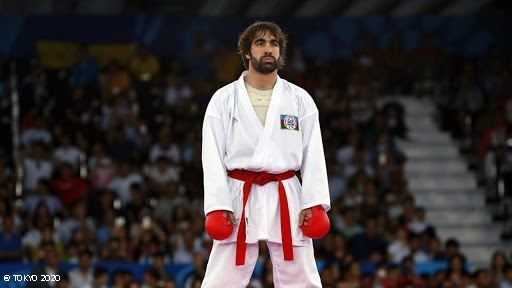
262	66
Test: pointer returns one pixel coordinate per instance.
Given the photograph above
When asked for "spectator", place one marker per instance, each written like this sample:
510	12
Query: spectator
67	153
456	269
159	261
10	240
165	147
101	167
100	278
506	282
144	66
114	80
162	172
177	91
151	278
41	194
83	275
417	253
483	279
364	244
37	133
169	199
123	180
350	227
85	71
49	267
351	276
196	277
399	247
434	249
498	263
36	167
122	278
69	187
418	225
452	248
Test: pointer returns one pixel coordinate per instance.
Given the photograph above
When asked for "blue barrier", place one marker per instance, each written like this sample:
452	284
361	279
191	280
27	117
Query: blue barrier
178	271
19	34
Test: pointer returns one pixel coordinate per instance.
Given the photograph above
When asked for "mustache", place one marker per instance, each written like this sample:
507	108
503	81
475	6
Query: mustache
268	56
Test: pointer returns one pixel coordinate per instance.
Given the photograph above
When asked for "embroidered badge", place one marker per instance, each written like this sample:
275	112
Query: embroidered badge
289	122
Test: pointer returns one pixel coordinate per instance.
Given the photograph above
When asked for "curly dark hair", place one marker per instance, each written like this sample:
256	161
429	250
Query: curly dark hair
259	28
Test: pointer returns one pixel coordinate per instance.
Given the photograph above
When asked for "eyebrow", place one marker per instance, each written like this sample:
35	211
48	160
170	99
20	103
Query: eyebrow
272	40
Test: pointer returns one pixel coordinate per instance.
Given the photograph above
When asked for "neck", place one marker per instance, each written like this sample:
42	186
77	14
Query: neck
261	81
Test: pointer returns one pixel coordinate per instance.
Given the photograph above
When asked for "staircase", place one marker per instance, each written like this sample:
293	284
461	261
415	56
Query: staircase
438	178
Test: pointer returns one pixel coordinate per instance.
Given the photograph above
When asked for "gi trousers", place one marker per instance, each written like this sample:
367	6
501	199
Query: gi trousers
221	271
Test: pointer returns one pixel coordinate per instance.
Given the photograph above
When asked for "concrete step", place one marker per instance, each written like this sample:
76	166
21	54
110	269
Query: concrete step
427	151
417	108
450	218
428	166
481	254
426	137
471	234
438	174
439	178
468	192
443	183
459	199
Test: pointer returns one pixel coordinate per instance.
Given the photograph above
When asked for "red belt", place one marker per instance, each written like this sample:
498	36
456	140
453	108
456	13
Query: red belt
262	178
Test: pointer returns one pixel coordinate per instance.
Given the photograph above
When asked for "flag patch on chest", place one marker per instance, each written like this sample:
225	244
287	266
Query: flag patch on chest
289	122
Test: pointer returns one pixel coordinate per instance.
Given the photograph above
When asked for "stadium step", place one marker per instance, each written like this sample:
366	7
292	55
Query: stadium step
462	183
477	235
451	200
435	166
439	178
449	218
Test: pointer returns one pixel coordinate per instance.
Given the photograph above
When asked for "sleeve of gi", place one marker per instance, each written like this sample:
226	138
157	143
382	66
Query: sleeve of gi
315	188
216	190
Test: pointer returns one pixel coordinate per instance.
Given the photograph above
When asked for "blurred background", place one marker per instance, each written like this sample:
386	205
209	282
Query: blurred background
101	108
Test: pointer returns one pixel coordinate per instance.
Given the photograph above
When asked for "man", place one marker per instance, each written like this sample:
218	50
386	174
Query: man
83	275
259	130
49	267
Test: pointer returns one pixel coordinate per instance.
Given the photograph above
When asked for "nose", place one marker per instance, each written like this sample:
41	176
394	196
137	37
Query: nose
268	49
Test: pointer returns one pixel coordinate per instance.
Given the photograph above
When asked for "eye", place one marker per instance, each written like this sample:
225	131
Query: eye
274	43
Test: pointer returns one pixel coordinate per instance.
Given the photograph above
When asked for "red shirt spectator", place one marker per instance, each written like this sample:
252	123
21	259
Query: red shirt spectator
69	187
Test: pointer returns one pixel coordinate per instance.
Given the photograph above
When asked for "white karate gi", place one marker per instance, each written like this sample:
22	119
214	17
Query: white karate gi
234	138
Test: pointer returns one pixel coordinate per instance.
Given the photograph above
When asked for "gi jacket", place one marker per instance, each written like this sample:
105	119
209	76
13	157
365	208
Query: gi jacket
234	138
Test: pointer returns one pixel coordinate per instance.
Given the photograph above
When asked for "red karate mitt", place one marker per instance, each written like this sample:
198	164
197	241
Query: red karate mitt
318	224
216	225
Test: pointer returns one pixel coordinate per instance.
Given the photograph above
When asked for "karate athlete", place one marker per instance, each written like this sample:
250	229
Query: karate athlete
257	132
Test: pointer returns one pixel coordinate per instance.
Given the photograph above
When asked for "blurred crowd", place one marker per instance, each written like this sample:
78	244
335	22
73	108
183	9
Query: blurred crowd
111	162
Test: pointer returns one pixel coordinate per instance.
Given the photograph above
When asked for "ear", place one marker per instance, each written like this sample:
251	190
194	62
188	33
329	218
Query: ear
248	56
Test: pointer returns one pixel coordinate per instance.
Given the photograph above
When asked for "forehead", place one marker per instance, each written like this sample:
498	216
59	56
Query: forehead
264	34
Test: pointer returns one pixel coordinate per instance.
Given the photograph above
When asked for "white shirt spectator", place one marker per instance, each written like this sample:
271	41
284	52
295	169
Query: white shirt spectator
345	154
36	170
174	95
337	186
121	186
69	154
417	227
398	251
172	153
33	238
32	135
420	257
32	201
79	280
162	177
505	284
